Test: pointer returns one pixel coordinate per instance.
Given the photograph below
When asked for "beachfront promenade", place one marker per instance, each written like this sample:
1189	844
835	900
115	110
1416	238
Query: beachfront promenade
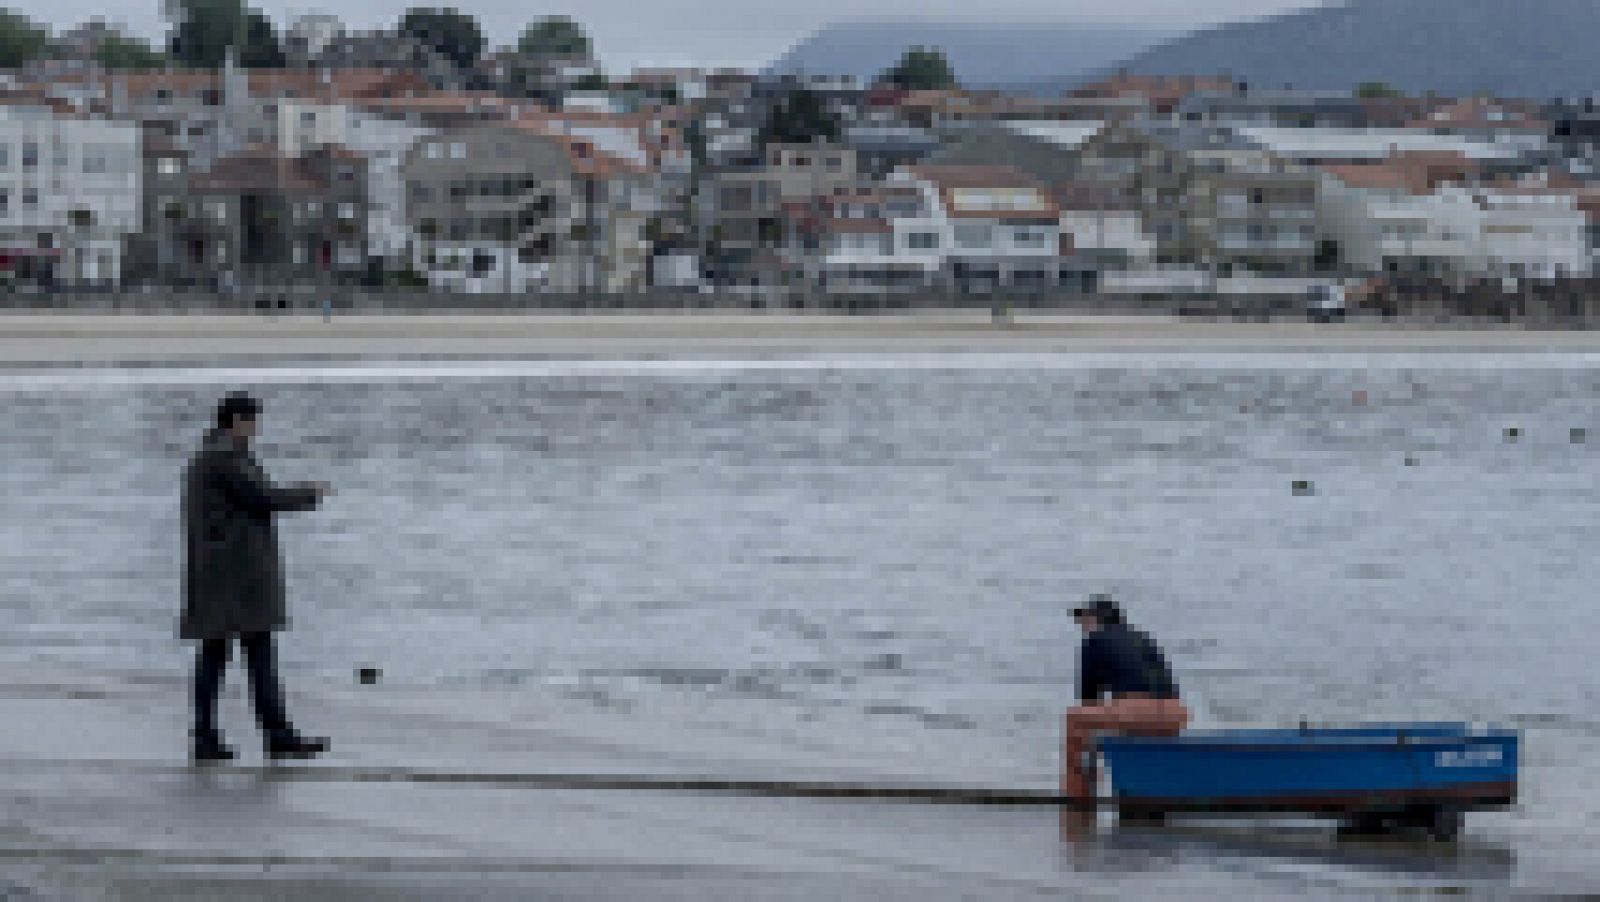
88	338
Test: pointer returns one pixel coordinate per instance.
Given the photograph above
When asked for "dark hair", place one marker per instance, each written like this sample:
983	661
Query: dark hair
235	407
1103	608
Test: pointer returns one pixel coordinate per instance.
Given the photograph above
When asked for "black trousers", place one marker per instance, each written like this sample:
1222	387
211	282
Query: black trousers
211	665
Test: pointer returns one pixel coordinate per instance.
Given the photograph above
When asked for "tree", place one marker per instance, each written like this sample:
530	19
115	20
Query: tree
590	81
448	31
203	30
554	36
920	69
1377	89
800	118
21	41
127	53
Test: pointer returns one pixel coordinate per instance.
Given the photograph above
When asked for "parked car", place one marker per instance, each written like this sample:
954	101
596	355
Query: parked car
1326	303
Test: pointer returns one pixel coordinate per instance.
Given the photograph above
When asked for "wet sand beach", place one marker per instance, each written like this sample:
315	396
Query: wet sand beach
419	800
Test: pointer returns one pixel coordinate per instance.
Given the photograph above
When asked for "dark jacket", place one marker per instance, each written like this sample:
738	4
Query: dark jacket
1118	659
233	576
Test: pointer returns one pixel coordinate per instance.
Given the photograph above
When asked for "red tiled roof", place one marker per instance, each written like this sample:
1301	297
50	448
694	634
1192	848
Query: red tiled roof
1414	173
1162	91
950	175
1478	113
949	178
441	102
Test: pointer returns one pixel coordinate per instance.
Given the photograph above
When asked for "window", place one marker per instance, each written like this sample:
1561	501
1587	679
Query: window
1026	237
973	236
5	156
435	151
169	166
458	150
163	95
30	154
308	117
923	241
347	211
834	164
5	203
94	161
30	198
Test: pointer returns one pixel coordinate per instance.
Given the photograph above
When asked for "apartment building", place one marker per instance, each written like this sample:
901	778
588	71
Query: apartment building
864	239
69	195
506	208
1257	217
261	218
1389	216
994	227
1106	228
1437	216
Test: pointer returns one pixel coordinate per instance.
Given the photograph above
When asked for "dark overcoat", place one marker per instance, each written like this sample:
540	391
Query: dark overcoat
233	574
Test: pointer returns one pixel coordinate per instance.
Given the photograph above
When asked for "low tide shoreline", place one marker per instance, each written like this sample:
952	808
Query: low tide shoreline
104	806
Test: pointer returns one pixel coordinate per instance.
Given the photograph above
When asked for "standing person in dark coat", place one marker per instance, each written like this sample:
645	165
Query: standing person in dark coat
233	584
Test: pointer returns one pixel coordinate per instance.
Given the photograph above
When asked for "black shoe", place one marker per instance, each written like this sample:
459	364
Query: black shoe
210	749
294	746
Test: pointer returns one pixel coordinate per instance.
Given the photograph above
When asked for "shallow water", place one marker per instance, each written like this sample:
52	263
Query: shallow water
897	538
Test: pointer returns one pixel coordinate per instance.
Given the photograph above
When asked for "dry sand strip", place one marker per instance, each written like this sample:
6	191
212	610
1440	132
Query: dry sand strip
94	339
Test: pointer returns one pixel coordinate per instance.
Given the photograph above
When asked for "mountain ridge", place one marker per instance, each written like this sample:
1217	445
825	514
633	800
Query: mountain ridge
983	54
1527	48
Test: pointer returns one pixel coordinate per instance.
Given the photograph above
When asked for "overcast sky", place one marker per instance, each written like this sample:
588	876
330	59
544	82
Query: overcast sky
694	32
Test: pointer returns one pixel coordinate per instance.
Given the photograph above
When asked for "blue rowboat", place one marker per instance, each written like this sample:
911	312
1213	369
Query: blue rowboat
1377	776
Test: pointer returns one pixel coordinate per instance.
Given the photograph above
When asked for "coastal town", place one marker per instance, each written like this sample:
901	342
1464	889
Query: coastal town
394	159
705	450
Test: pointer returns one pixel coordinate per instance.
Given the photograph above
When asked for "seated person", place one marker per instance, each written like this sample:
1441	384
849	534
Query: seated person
1123	663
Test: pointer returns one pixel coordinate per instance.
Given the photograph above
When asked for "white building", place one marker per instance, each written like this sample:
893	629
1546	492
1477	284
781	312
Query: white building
1318	146
305	124
69	194
309	35
385	143
967	227
1429	215
868	239
994	227
1525	231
